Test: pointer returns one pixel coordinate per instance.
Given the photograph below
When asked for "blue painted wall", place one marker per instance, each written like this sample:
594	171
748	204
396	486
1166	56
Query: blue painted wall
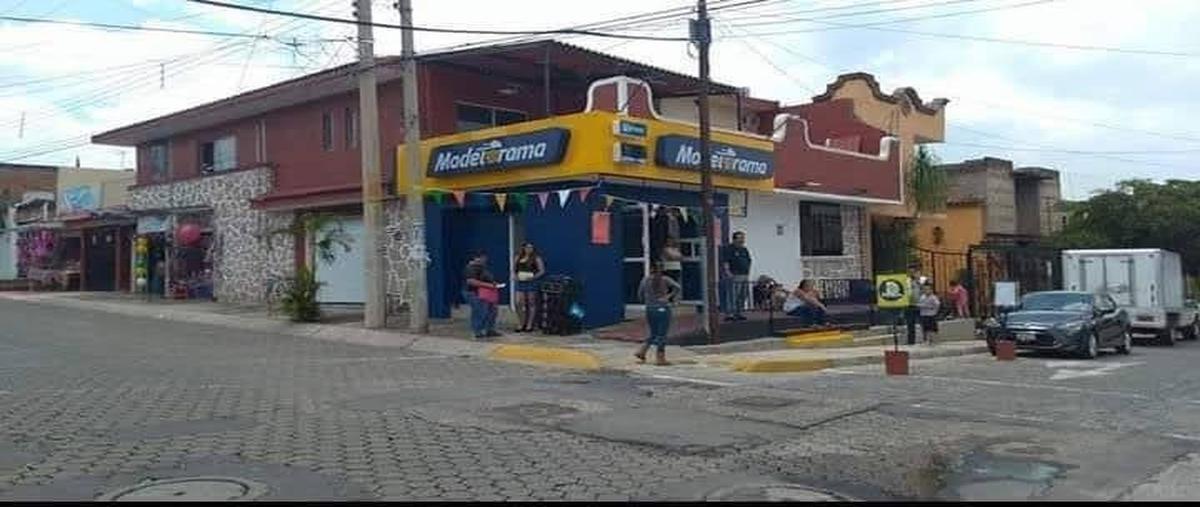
562	235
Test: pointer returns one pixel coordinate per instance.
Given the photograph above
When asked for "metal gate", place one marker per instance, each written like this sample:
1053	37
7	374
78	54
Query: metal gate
1034	268
942	267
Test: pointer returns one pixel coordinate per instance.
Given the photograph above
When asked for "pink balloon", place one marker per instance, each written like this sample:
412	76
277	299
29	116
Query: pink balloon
187	234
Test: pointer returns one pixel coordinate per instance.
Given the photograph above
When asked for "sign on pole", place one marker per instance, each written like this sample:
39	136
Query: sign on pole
892	290
1006	294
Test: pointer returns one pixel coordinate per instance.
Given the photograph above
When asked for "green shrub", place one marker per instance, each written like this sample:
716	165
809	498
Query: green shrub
300	296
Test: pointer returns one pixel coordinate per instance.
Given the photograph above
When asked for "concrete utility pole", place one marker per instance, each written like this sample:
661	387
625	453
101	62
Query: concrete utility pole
374	315
418	306
702	36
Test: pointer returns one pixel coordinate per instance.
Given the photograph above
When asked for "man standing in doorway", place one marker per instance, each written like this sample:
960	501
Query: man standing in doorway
735	269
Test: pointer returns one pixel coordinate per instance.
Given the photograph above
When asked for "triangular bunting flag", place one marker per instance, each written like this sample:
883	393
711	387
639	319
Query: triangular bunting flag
437	196
543	198
683	213
500	200
608	200
521	200
461	197
564	195
583	194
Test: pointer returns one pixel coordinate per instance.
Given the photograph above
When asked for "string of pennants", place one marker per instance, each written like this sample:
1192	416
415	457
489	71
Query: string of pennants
521	199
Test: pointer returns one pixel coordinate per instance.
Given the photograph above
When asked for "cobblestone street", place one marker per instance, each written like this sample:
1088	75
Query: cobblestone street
92	403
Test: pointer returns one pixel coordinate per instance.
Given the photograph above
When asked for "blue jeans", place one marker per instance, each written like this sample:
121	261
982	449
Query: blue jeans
659	318
734	293
809	316
483	314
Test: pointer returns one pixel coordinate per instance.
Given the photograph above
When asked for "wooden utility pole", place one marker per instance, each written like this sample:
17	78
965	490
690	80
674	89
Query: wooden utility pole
701	35
418	306
374	314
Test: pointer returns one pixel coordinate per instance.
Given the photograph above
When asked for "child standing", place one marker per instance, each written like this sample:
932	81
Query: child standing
929	305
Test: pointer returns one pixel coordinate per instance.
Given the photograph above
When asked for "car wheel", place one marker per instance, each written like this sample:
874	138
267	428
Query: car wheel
1126	343
1090	347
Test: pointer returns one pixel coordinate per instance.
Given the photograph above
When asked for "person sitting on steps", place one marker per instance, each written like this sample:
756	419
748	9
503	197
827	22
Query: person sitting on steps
805	302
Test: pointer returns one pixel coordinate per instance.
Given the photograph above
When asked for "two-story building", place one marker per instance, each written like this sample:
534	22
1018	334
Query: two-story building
545	142
903	115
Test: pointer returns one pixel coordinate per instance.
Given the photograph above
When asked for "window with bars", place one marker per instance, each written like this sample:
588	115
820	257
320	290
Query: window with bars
820	229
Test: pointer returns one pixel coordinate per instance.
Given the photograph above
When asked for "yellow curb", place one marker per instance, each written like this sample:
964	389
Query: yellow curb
781	365
555	356
821	341
814	334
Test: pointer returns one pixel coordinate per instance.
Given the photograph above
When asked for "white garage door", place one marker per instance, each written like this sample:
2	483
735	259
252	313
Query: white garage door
343	278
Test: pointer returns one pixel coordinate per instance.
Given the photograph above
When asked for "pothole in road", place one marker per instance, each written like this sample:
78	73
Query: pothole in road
773	493
189	489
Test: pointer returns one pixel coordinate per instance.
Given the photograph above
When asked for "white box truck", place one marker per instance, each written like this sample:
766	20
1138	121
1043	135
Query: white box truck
1148	283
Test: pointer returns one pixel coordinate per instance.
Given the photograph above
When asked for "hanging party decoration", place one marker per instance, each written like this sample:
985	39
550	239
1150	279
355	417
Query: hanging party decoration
583	194
500	200
601	225
543	198
608	200
564	195
461	197
437	196
683	213
187	234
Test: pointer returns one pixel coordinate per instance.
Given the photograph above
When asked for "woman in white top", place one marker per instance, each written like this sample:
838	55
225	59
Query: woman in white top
672	260
805	302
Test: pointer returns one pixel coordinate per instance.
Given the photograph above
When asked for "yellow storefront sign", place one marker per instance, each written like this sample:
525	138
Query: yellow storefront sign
587	145
893	290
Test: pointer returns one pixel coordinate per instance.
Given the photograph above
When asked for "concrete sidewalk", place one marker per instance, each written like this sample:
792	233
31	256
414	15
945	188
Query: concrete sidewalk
583	352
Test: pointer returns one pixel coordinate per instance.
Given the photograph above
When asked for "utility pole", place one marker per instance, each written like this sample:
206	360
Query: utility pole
418	306
374	315
702	36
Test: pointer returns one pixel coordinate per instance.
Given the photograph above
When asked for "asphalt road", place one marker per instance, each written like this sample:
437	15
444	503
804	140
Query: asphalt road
93	405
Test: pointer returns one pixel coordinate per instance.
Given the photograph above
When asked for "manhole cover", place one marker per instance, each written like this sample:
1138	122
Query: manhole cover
189	489
773	493
762	402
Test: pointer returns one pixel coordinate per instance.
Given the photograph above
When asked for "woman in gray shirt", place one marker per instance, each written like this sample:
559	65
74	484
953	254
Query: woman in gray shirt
659	292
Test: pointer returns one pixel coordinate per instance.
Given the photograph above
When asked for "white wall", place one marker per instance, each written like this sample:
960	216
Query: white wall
774	254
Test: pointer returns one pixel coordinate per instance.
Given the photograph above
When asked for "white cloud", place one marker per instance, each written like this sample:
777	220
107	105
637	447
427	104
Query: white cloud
1017	92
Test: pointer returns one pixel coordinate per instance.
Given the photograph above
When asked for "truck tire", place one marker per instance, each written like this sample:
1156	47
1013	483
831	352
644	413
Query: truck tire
1167	337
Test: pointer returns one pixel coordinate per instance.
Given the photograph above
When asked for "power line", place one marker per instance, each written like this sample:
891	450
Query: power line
113	26
879	27
316	17
1008	108
786	20
1076	152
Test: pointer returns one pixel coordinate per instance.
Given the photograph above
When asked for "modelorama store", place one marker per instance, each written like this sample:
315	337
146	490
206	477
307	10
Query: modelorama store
597	193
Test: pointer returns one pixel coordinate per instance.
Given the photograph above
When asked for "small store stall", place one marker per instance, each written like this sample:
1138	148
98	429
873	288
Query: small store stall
173	255
598	193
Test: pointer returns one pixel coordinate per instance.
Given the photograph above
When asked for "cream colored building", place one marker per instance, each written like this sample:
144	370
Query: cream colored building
82	190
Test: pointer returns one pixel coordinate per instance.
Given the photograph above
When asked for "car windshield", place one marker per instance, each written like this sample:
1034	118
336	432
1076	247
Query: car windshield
1057	302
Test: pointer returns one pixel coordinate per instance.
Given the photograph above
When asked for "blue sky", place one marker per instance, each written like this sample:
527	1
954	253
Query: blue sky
1097	115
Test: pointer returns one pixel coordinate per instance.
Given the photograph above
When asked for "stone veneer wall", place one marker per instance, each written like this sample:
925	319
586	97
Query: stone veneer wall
850	264
248	252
